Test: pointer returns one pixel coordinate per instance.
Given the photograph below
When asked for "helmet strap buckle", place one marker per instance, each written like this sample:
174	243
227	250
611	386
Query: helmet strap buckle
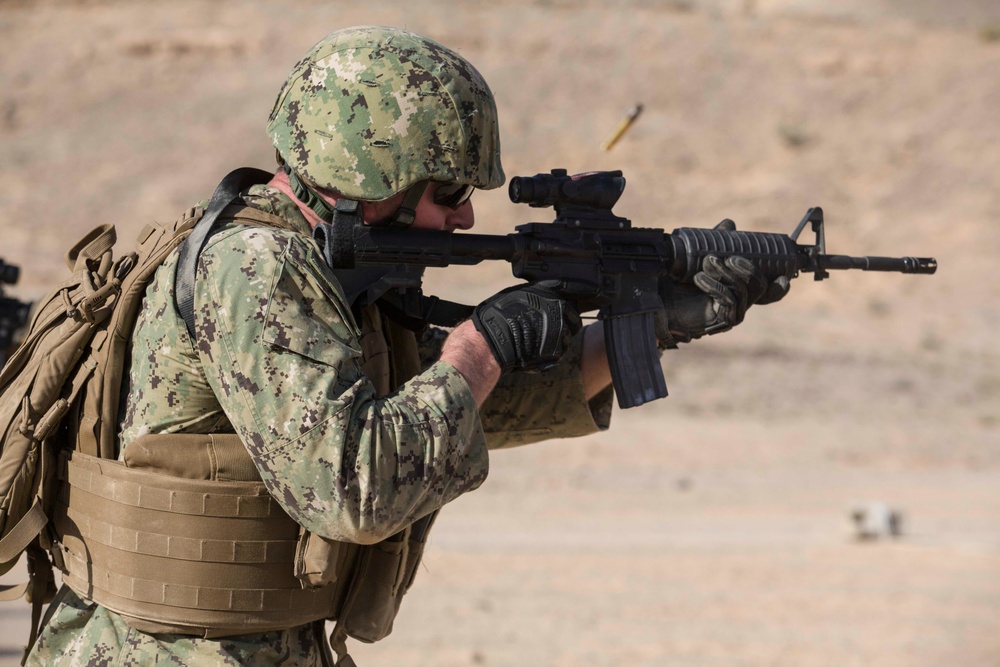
407	211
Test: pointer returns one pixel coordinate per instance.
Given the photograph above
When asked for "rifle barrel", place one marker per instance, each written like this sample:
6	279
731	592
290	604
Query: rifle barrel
925	265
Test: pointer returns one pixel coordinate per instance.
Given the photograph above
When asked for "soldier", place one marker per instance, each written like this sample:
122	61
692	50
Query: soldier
359	429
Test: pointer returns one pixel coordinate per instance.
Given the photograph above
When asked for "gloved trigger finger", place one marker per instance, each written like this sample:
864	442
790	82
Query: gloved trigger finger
572	319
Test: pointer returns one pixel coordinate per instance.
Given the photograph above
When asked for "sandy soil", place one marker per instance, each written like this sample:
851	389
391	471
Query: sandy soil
710	528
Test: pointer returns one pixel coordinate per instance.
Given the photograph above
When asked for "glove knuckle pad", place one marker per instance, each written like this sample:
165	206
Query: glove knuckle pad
524	327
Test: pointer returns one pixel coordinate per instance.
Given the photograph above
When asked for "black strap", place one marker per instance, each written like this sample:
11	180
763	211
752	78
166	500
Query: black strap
407	211
41	589
336	236
229	189
414	310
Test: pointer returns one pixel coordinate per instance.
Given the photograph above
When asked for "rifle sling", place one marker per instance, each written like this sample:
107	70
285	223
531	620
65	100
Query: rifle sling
427	310
226	193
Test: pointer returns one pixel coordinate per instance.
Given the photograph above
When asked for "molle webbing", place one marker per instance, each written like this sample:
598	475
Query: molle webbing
181	536
193	555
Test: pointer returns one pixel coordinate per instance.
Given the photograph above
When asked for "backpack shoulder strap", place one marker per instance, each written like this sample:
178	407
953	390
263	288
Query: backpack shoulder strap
248	215
229	189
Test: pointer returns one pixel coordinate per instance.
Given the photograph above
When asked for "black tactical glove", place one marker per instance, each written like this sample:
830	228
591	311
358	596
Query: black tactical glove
722	292
527	327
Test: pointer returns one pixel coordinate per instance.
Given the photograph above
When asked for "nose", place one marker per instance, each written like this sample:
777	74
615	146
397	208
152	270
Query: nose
464	217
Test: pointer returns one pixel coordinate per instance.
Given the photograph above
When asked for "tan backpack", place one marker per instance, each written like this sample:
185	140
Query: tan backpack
69	364
60	389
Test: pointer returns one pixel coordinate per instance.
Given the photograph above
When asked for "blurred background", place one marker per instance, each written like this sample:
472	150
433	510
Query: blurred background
714	527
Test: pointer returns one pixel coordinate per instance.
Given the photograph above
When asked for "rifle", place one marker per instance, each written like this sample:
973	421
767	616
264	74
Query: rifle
597	259
13	313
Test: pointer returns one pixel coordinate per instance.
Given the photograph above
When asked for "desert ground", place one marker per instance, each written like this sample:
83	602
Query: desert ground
710	528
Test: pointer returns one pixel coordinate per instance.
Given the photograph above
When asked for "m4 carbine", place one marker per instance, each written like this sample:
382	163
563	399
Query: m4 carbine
595	259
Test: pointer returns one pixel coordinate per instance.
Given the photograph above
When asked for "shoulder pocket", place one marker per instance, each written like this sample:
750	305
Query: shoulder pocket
306	315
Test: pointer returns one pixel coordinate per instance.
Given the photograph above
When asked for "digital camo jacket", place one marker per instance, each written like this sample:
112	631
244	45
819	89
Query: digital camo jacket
276	359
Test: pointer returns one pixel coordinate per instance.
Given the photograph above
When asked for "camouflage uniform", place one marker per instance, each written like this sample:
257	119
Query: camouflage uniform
276	358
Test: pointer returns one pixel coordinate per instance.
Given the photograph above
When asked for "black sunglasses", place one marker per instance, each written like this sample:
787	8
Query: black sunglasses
453	195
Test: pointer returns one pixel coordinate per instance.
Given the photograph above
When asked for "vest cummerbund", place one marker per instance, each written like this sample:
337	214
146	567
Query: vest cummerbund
192	556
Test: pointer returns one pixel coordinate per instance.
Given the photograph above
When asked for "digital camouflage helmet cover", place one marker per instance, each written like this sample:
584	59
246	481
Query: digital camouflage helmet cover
371	110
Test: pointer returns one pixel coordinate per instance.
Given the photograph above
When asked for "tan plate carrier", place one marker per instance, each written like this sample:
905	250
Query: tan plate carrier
181	535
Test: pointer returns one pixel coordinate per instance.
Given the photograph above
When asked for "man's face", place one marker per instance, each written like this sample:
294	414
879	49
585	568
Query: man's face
428	215
437	216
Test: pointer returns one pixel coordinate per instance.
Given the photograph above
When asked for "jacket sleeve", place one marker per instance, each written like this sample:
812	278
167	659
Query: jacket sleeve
280	349
530	407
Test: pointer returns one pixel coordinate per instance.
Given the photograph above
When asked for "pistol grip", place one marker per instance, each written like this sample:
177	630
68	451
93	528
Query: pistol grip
630	341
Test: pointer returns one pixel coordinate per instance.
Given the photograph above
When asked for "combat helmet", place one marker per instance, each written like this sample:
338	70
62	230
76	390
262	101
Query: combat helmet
371	111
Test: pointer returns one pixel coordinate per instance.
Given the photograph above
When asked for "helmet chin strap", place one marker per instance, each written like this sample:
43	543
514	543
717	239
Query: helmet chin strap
309	197
407	211
403	217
